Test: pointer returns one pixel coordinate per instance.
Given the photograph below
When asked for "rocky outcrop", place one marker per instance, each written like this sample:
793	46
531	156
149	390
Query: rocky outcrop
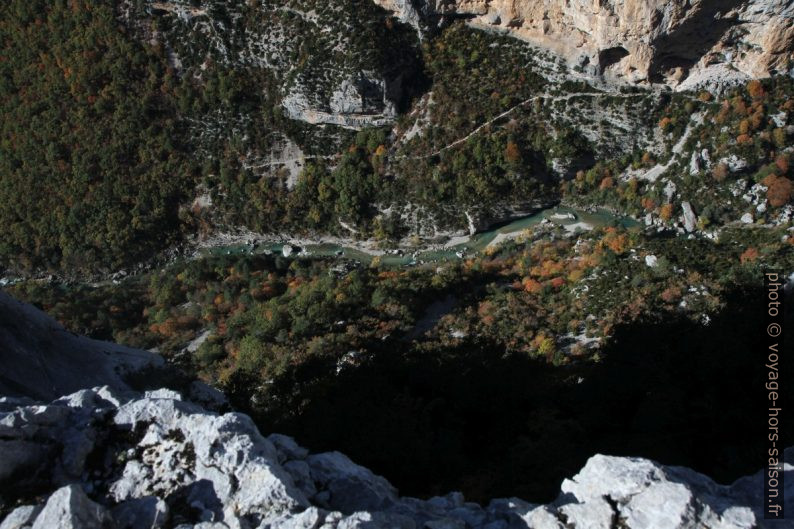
689	217
678	42
329	62
484	219
40	359
357	102
105	458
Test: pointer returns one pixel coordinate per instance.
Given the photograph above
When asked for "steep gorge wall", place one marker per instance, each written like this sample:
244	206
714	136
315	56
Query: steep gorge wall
638	41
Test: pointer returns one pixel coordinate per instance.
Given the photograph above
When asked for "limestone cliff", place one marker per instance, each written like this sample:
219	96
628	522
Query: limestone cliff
677	42
328	62
99	459
42	360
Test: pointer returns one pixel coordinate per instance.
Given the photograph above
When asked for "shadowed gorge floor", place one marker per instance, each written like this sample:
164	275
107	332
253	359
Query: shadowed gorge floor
673	391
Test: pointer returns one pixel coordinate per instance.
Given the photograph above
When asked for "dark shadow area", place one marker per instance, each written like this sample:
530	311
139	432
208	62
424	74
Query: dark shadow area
689	41
399	57
610	56
195	503
469	419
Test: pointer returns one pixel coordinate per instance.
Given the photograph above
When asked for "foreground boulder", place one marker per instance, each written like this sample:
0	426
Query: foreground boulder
103	458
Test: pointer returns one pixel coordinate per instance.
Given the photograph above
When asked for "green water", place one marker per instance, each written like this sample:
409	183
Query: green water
475	244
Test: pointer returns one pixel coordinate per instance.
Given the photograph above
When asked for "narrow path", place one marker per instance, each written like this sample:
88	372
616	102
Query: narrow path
513	108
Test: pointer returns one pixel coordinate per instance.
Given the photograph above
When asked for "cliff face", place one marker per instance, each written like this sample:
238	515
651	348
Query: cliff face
329	62
676	42
41	359
99	458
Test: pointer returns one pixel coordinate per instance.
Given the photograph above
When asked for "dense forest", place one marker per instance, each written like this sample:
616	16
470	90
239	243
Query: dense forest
94	161
124	121
106	140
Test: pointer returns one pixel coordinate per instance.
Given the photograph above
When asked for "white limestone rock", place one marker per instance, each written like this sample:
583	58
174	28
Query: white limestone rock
184	445
351	487
406	12
785	215
704	155
363	100
164	455
647	495
21	517
734	163
70	508
690	219
694	163
669	190
594	514
543	517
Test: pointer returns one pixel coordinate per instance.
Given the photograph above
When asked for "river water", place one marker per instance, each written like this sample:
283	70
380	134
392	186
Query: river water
569	218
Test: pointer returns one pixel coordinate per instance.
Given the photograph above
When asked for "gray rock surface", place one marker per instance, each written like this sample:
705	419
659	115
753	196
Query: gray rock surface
70	508
116	459
51	361
20	517
141	513
690	219
363	101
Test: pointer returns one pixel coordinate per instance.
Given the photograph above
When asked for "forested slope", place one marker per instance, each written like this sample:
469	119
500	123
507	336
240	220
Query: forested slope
92	158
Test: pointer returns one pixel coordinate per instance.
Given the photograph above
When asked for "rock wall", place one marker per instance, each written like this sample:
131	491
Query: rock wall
357	102
101	458
41	359
677	42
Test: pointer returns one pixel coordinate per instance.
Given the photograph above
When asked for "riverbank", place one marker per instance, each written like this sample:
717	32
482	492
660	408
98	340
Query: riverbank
445	247
406	252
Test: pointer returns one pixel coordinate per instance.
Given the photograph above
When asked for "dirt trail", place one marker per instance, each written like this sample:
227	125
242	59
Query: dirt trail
554	98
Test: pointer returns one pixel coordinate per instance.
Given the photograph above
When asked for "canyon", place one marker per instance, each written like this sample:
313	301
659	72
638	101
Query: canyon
677	43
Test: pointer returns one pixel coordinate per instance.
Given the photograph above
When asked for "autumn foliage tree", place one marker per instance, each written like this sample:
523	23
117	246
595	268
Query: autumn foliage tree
779	190
782	163
91	157
512	153
749	255
755	89
719	172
